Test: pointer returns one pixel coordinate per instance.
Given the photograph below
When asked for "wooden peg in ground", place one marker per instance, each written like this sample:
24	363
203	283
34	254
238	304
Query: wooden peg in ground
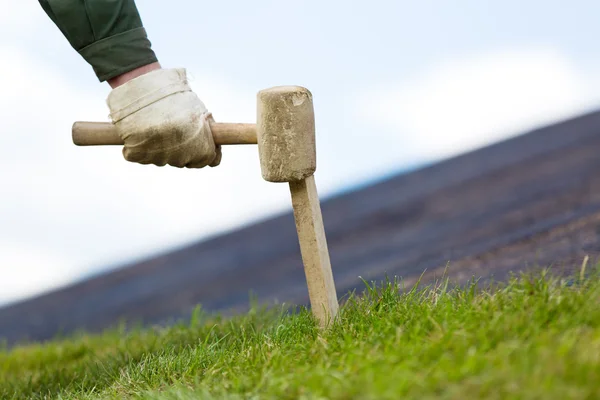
285	134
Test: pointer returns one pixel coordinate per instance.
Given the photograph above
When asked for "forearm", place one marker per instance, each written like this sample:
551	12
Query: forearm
108	34
129	75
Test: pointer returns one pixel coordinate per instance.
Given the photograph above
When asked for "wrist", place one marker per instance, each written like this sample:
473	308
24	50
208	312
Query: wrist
146	89
134	73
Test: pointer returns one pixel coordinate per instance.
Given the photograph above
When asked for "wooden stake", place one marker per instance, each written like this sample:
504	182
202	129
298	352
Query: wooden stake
313	247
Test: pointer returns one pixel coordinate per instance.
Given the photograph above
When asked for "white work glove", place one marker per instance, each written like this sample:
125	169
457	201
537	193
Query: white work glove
162	121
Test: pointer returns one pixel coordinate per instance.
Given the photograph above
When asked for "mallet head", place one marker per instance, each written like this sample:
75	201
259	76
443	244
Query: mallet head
285	130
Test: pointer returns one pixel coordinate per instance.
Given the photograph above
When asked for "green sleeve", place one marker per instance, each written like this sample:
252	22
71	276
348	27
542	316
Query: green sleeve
108	34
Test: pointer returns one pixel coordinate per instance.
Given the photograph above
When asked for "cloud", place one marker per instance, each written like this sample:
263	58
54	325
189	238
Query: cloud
67	211
466	103
27	270
20	18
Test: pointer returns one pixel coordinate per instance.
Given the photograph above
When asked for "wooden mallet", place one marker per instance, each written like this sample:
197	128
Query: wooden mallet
285	134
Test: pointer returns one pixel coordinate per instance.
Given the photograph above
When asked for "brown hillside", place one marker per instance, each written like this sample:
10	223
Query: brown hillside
532	200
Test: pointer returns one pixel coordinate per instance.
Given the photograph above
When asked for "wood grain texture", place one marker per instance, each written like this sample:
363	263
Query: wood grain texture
104	134
285	129
528	202
314	251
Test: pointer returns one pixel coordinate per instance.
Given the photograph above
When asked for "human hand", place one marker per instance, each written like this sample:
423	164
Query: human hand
162	121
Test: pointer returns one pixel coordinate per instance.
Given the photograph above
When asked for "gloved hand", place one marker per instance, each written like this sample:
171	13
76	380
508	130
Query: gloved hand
162	121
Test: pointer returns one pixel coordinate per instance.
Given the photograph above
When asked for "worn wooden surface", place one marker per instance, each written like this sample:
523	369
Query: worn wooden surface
285	130
313	248
86	133
527	202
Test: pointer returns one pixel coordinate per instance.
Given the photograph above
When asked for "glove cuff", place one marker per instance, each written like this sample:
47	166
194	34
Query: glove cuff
144	90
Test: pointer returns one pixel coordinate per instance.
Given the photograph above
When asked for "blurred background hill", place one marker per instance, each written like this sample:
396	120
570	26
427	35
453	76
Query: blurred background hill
528	202
401	89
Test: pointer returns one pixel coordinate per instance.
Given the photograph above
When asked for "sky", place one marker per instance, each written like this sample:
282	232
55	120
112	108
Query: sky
396	85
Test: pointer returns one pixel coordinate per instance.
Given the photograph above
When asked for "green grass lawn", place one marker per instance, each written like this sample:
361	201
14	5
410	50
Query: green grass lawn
535	337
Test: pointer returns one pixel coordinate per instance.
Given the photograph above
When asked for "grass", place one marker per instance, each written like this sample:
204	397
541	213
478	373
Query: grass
534	337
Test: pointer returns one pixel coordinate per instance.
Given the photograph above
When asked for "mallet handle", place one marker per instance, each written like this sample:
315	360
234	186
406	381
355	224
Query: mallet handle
104	133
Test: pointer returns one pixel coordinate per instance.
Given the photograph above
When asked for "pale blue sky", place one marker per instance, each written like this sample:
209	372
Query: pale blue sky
395	83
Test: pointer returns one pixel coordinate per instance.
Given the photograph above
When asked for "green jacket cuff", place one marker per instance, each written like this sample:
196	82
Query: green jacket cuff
119	53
